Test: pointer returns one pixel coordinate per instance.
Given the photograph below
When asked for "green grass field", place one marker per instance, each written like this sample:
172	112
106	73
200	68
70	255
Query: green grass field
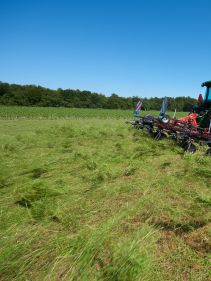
93	199
17	112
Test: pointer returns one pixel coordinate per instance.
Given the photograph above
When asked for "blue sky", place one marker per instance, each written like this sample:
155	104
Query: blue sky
128	47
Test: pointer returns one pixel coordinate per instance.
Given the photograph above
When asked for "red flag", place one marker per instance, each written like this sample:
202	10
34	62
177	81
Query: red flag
200	99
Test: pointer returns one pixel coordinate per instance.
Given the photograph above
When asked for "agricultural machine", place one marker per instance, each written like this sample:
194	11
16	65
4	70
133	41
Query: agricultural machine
187	131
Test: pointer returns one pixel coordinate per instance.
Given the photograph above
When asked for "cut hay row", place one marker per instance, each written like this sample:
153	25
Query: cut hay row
99	201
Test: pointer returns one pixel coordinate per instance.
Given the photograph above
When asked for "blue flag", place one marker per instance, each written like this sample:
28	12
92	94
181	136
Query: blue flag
164	106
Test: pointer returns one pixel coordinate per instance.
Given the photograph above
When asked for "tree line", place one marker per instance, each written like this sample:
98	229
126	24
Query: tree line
31	95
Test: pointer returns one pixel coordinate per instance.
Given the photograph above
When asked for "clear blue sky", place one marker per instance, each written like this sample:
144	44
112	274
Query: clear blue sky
128	47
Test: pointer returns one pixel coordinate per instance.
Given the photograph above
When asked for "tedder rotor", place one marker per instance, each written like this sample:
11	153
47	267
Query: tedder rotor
187	131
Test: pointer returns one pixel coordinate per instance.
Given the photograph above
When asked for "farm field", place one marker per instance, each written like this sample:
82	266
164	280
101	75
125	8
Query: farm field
90	198
14	112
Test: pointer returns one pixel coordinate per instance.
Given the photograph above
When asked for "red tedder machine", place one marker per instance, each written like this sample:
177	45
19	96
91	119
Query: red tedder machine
187	131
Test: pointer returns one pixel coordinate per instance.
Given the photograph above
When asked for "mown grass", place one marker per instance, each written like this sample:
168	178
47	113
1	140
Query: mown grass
94	199
23	112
